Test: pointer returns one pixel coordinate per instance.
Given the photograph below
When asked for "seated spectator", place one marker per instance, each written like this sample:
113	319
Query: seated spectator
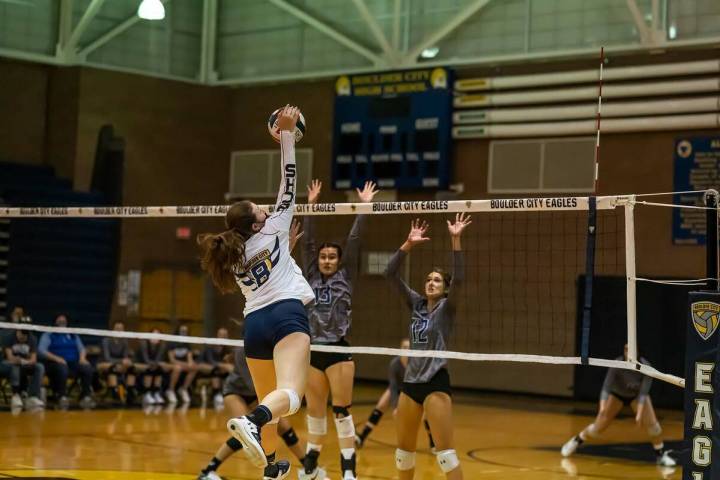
64	355
216	362
115	362
180	357
150	363
21	366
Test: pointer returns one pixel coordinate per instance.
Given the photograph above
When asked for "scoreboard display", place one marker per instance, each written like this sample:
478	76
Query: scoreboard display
393	128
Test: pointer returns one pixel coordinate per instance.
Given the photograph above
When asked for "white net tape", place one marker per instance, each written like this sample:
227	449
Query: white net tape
416	206
473	357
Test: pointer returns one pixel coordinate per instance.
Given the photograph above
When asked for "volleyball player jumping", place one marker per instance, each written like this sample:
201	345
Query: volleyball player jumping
426	386
332	273
253	254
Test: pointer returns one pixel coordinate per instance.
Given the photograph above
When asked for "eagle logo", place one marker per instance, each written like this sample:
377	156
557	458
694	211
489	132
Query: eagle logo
705	318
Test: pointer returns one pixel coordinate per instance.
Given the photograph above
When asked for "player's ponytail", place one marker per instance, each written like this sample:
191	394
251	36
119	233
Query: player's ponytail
223	254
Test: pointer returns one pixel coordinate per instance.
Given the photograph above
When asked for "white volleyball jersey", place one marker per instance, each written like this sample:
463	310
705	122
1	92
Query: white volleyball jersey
269	273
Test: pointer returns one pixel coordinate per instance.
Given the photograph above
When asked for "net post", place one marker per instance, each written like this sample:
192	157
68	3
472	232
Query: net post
630	279
589	275
711	243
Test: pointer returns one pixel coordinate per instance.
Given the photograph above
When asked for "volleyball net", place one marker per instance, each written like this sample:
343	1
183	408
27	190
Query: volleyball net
546	280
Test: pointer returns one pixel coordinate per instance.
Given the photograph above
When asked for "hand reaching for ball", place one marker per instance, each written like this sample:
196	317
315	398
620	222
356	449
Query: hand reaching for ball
287	118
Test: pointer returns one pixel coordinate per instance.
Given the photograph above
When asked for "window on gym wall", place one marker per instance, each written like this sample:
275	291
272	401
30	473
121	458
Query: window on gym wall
255	173
564	165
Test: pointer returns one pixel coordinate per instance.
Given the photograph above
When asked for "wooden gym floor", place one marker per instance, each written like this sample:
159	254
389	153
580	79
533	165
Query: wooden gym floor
497	438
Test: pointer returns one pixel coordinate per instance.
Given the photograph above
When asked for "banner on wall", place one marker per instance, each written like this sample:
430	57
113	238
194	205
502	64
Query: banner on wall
702	403
697	167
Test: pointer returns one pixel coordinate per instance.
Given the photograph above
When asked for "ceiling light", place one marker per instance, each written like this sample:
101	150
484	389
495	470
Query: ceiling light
151	10
430	52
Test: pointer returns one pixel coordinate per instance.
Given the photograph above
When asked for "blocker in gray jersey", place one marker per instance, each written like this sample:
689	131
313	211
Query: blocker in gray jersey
331	315
428	330
239	382
626	383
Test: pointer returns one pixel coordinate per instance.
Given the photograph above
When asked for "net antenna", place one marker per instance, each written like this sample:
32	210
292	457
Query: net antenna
598	118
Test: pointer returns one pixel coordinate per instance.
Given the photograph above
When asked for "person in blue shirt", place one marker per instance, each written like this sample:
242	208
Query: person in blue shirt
64	355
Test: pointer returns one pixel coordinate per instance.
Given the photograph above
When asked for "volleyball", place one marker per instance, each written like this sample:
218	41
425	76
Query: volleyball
275	132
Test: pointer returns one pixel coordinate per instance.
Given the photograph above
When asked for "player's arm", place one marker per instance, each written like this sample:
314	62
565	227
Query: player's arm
416	236
10	357
352	244
81	350
456	230
284	206
309	247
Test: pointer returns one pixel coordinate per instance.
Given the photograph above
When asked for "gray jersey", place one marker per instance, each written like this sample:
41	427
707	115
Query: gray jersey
115	349
626	383
396	373
239	382
428	330
331	314
151	353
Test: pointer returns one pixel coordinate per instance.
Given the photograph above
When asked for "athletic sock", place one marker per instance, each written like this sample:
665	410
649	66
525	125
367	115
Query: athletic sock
260	416
212	466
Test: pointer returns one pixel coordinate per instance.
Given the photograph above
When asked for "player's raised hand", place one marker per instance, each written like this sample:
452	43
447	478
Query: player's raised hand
461	222
368	192
418	230
314	191
288	117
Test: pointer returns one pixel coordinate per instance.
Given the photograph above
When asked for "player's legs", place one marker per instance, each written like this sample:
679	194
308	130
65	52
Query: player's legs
277	346
650	423
294	444
438	413
265	380
608	410
237	407
381	407
316	397
408	421
340	377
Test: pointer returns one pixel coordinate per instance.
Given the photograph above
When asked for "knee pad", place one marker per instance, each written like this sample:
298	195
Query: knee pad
375	416
654	430
448	460
234	444
341	411
404	460
345	427
294	401
290	437
316	425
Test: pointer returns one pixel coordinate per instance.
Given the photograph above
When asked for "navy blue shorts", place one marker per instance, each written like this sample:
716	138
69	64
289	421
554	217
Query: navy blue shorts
264	328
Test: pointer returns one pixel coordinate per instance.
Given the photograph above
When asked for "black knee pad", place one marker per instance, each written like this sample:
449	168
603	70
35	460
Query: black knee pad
290	438
375	416
234	444
341	412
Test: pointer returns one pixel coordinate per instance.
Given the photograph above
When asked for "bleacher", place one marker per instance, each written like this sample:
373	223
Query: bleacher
57	265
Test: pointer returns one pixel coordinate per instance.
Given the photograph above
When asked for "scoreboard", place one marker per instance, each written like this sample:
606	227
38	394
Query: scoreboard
393	128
